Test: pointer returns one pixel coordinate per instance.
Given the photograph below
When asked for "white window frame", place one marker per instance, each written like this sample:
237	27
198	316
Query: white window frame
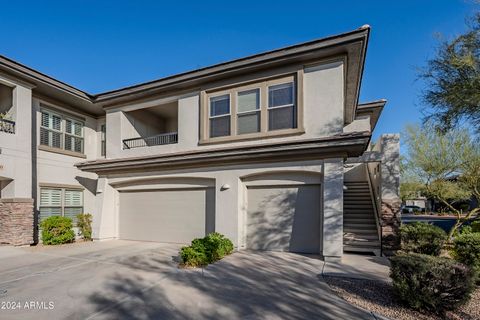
229	114
258	110
295	77
63	130
62	199
291	105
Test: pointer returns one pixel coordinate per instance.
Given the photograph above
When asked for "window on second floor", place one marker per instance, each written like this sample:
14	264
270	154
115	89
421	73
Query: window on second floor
220	116
262	109
61	132
103	129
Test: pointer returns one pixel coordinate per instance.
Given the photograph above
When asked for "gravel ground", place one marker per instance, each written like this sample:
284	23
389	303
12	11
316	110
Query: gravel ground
378	297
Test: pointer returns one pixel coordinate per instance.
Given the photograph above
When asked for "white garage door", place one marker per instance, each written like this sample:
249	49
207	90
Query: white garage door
284	218
175	216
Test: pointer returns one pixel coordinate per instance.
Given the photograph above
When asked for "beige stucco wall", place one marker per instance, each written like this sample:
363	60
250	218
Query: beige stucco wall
55	168
230	194
16	153
323	96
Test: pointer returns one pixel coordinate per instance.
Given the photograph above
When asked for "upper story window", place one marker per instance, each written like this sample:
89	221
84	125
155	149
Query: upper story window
281	107
248	111
61	132
262	109
220	116
103	129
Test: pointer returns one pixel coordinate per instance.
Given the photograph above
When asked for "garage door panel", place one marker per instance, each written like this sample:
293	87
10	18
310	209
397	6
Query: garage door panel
284	218
175	216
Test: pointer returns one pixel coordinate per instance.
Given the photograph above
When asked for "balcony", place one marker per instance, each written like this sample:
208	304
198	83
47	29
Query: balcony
7	126
7	109
154	126
157	140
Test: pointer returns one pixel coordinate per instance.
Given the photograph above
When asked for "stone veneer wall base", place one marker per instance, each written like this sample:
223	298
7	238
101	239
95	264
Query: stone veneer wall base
16	221
390	227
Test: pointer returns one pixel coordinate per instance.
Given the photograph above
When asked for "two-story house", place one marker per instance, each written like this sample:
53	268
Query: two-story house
272	150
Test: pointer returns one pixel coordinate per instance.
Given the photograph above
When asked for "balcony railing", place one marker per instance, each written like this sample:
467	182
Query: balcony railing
7	126
157	140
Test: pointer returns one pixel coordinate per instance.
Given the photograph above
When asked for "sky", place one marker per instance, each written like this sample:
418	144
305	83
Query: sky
98	46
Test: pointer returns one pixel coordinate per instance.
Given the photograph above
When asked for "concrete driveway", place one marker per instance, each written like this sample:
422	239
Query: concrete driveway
139	280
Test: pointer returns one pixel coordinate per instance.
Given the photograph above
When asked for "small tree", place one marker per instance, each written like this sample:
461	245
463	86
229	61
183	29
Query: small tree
447	165
453	80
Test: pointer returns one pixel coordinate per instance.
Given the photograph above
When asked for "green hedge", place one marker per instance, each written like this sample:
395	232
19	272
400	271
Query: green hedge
57	230
421	237
206	250
431	283
466	249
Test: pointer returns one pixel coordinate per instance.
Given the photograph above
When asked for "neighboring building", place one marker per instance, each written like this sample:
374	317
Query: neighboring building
259	149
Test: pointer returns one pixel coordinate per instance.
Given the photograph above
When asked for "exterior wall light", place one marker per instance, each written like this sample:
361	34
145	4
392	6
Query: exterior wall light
225	187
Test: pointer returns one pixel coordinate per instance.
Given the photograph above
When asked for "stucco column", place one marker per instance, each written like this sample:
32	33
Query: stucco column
333	209
390	192
104	222
226	206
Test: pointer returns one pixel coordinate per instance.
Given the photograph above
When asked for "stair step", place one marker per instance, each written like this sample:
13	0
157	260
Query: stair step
358	210
360	237
356	194
349	220
355	182
357	205
373	243
360	226
349	248
359	231
358	213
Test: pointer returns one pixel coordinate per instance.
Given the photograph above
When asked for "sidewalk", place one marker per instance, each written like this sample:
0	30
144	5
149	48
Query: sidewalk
359	267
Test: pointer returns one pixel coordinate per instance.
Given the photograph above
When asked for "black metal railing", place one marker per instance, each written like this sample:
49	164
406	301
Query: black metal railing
157	140
7	126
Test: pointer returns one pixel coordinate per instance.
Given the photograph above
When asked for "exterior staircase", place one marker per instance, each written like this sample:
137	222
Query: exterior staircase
360	233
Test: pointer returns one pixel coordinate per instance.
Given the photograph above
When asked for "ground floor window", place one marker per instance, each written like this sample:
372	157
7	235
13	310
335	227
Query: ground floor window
60	202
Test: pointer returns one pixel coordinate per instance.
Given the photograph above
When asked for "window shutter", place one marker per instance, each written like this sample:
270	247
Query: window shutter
56	122
45	120
73	198
68	126
50	197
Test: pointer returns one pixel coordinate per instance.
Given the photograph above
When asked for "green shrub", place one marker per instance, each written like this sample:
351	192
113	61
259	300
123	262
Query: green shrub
193	258
84	223
430	283
206	250
466	249
475	226
420	237
57	230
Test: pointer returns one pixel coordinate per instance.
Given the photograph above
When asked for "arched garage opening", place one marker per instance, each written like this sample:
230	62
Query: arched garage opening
283	211
172	210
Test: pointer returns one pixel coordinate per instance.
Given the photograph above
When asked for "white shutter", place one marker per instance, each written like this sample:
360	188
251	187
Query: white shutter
50	202
50	197
73	198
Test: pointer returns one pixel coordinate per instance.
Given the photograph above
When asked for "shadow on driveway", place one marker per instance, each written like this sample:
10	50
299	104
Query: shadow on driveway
245	285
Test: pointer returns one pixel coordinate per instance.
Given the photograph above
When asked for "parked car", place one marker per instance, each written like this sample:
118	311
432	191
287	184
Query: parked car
412	209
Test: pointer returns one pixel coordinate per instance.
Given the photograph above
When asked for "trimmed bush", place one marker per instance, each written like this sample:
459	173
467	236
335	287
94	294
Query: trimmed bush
206	250
57	230
475	226
84	223
430	283
421	237
466	249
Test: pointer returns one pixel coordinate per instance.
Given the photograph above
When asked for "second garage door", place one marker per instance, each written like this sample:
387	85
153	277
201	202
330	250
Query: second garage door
175	216
284	218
